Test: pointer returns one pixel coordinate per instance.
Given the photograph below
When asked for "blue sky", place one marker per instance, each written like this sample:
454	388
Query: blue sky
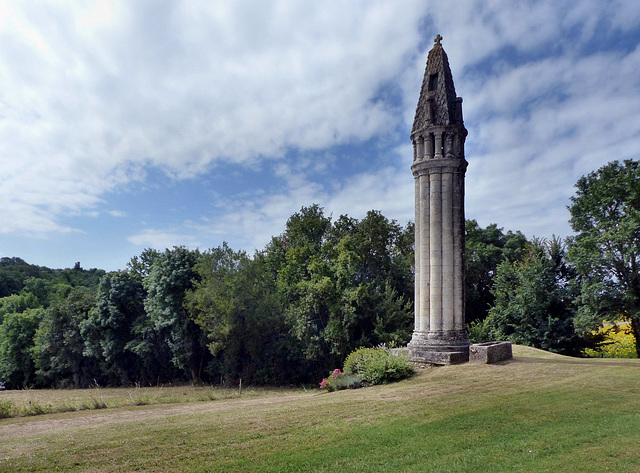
134	124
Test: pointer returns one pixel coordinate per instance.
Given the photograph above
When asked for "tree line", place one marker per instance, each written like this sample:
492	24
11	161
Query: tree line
284	315
324	287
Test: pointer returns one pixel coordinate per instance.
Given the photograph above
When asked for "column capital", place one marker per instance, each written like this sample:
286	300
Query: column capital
436	166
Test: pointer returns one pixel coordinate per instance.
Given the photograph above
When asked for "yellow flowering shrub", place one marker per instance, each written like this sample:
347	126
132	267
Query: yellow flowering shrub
619	342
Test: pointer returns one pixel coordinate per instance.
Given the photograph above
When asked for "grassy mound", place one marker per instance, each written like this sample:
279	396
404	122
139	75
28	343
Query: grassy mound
538	412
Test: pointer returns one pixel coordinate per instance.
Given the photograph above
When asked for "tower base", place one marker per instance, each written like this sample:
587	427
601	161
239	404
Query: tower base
439	348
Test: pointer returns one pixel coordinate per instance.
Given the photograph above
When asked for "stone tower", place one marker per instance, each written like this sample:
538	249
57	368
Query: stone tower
439	166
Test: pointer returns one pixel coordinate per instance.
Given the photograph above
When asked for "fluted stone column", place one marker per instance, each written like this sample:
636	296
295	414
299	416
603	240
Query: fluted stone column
439	168
423	270
458	253
417	250
435	252
447	251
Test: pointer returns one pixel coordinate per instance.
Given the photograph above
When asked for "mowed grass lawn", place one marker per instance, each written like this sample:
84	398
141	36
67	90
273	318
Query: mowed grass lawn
539	412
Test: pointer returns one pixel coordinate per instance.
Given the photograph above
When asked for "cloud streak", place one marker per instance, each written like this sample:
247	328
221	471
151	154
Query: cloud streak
183	87
315	101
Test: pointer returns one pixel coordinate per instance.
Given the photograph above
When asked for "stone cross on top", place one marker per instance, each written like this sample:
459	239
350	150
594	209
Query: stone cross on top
438	39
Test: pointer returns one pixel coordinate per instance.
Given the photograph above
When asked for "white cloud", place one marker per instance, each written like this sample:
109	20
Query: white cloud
163	238
97	96
94	89
250	223
542	125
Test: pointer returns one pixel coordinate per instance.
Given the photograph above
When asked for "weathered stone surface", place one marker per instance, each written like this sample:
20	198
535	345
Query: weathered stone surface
439	167
437	105
490	352
439	357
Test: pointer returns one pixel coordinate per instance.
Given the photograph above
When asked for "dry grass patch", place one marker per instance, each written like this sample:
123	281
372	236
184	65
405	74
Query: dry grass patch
539	412
30	402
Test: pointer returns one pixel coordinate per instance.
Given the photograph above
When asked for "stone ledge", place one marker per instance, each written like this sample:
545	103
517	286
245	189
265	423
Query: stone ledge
439	357
490	352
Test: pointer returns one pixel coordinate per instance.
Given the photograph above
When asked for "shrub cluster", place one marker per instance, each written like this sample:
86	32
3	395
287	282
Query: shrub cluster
339	380
618	342
378	365
6	409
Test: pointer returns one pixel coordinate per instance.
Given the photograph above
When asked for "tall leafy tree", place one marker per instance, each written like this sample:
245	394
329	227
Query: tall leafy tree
605	214
235	302
171	275
486	248
58	348
303	280
371	260
17	330
343	285
17	303
535	300
42	289
147	342
109	328
140	266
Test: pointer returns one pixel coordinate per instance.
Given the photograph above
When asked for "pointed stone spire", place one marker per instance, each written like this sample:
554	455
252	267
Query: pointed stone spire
438	104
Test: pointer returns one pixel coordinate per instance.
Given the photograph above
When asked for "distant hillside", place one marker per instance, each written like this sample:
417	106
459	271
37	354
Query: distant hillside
16	274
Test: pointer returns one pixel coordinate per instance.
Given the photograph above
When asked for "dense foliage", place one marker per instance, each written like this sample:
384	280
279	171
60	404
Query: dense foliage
378	365
314	294
617	342
605	214
535	300
486	248
283	315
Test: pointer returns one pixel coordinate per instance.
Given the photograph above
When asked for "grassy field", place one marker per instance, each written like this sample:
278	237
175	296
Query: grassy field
539	412
31	402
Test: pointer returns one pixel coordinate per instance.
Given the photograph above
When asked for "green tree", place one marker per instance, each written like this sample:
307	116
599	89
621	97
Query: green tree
486	248
42	289
109	328
236	304
371	260
343	285
303	281
535	300
58	343
78	277
171	275
140	266
605	214
17	303
13	273
16	343
147	342
9	282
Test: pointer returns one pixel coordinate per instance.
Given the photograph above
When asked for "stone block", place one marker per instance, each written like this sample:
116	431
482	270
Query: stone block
490	352
439	357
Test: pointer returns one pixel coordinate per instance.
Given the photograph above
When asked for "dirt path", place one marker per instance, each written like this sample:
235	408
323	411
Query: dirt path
34	426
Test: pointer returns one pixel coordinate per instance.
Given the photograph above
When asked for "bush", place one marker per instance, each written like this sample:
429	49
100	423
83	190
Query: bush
338	380
618	342
378	365
6	409
479	331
